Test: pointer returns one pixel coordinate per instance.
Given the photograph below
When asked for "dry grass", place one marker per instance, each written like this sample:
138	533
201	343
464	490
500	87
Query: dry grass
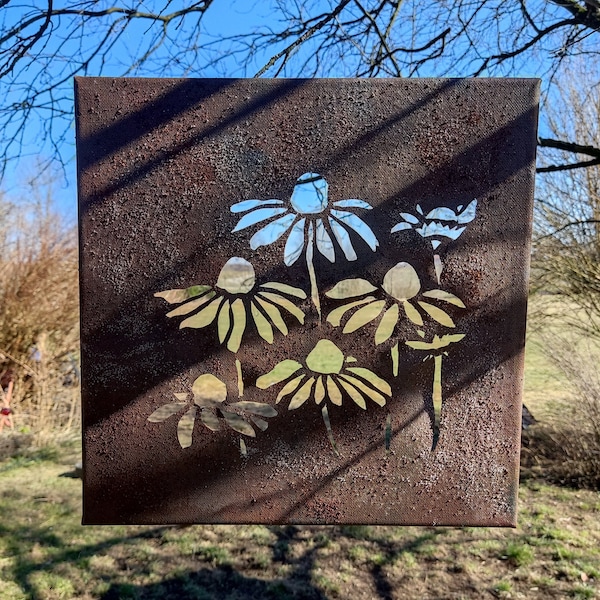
39	319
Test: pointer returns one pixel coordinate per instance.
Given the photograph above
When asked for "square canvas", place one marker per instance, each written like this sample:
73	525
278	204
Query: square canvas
303	301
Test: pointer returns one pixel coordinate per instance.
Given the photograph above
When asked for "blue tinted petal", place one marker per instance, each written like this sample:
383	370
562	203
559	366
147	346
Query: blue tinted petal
467	215
352	221
343	239
295	243
256	216
324	242
250	204
353	203
409	218
401	227
272	232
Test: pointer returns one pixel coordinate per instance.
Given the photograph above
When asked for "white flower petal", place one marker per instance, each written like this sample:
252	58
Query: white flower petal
353	203
351	220
401	227
343	239
467	215
250	204
256	216
324	242
295	243
272	232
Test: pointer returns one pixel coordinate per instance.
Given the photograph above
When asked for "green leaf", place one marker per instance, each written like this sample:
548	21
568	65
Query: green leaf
165	411
350	288
279	373
177	296
258	408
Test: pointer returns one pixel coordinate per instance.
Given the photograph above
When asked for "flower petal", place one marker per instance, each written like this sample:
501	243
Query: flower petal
250	204
177	296
343	239
324	242
285	288
354	394
437	314
262	425
401	227
165	411
333	391
256	216
205	317
412	313
210	420
256	408
353	203
238	424
289	387
364	315
294	244
349	288
351	220
272	232
284	303
319	390
375	380
445	297
274	313
238	311
262	325
185	428
224	321
208	389
387	324
278	373
369	392
336	315
300	397
468	214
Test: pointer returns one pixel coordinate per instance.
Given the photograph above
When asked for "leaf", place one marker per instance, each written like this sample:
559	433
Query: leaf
256	216
319	390
364	315
284	303
294	244
257	408
350	288
369	392
336	315
324	242
205	317
245	205
300	397
208	389
354	394
437	314
412	313
185	428
289	387
165	411
333	391
224	322
285	288
374	380
177	296
270	233
262	325
274	313
445	297
343	239
188	307
387	324
238	424
358	225
353	203
210	420
279	373
238	311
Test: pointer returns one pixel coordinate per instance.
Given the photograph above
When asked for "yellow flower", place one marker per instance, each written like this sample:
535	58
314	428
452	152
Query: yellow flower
232	301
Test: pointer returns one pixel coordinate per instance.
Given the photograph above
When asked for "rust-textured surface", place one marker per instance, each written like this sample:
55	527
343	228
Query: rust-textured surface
161	164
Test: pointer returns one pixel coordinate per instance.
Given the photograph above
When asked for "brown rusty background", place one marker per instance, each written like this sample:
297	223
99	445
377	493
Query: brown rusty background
160	162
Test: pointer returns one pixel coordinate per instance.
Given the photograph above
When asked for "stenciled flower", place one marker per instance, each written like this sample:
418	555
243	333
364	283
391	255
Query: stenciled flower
310	220
436	351
402	288
232	301
209	396
325	376
437	224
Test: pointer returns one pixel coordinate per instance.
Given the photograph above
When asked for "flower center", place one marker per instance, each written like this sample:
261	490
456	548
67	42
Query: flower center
237	276
325	358
402	282
310	194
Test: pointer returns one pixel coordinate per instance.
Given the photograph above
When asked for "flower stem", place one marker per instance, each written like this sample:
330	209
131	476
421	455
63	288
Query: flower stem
240	381
437	398
325	414
314	290
394	353
439	267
